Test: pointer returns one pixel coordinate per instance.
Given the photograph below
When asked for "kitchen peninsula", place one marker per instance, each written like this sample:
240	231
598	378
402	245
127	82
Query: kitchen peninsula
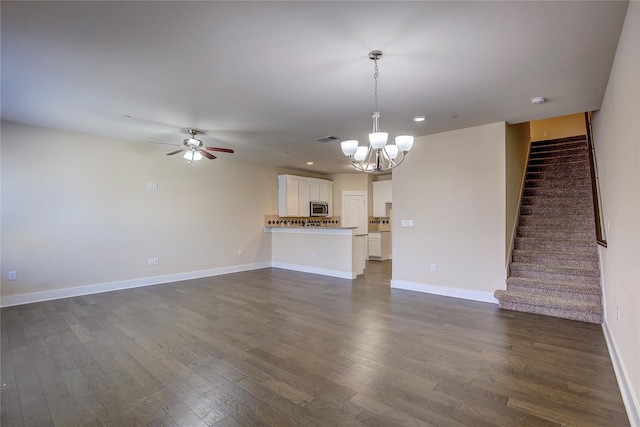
330	251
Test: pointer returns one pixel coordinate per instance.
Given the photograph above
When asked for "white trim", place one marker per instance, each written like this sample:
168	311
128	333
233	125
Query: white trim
445	291
11	300
315	270
624	382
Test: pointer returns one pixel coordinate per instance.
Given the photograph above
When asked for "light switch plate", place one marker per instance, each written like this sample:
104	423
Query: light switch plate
406	223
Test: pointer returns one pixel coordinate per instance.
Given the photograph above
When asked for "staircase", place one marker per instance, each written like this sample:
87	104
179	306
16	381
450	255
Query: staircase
554	267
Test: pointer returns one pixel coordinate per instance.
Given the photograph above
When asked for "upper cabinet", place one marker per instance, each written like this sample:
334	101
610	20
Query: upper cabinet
320	190
381	196
295	193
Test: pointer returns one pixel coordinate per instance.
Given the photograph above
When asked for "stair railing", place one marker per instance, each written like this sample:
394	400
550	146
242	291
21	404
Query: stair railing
595	185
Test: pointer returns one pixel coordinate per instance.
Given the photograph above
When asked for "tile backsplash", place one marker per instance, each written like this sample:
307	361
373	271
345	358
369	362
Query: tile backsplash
278	221
379	223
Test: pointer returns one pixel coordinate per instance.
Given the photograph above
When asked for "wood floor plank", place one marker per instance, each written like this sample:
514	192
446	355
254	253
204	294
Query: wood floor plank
280	348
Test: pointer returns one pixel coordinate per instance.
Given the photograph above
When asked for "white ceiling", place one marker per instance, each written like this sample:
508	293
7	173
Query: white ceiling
268	78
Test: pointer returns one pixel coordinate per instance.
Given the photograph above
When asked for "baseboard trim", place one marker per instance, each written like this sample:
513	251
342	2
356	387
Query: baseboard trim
315	270
624	383
444	291
33	297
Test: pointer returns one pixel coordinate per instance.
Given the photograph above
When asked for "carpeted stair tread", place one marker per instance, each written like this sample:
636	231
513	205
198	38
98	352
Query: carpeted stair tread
578	210
576	181
540	286
552	232
561	159
554	221
573	165
555	273
548	258
571	150
553	245
582	190
560	202
588	312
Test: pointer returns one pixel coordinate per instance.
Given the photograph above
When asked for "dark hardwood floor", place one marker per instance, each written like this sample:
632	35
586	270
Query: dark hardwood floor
281	348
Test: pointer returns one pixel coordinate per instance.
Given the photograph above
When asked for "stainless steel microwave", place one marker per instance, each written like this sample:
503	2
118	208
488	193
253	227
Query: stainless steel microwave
319	208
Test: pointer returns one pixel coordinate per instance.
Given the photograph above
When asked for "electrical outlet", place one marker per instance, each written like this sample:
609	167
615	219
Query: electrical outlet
618	313
150	261
13	275
434	268
156	261
240	252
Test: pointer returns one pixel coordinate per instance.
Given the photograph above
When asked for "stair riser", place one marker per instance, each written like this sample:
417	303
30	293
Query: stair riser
548	221
555	234
579	143
550	277
555	175
554	312
581	167
553	261
580	181
560	202
555	293
559	159
583	212
554	246
540	153
582	191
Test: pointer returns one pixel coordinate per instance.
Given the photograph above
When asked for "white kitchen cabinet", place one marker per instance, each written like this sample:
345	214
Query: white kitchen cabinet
293	196
380	245
320	190
375	245
381	196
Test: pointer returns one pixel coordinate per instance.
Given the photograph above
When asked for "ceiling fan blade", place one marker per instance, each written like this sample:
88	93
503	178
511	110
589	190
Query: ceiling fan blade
207	155
222	150
175	152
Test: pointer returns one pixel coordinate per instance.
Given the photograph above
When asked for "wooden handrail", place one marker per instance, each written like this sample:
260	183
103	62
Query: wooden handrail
600	237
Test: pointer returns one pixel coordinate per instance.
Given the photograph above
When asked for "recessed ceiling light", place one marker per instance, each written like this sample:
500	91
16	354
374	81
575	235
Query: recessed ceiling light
538	100
419	119
309	163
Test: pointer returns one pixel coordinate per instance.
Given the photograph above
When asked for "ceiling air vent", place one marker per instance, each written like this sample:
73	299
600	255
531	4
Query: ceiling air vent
328	138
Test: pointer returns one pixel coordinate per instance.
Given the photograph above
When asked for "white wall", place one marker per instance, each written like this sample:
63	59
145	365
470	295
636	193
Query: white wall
76	211
452	185
617	139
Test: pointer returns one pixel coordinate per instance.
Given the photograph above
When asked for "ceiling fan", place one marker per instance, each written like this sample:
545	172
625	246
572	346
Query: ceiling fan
194	149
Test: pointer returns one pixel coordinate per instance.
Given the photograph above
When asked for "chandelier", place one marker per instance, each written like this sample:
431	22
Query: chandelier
378	156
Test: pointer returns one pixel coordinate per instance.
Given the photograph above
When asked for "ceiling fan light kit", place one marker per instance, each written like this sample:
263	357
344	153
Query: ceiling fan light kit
379	156
194	149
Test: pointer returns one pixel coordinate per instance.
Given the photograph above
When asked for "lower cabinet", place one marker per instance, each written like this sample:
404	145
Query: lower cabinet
380	245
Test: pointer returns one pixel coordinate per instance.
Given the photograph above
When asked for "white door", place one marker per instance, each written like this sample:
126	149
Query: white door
354	210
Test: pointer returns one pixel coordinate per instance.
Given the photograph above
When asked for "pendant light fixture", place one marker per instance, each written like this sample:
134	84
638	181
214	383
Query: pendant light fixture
378	156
